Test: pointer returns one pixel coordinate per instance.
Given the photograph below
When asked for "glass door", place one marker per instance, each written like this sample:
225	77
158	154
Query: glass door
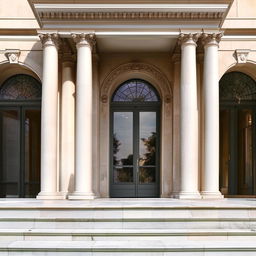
20	129
135	153
237	129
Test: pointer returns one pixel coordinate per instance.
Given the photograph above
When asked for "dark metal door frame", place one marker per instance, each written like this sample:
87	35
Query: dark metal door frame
136	109
20	107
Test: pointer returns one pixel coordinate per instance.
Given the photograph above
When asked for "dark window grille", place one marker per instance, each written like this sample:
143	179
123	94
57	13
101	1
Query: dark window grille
21	87
237	86
135	90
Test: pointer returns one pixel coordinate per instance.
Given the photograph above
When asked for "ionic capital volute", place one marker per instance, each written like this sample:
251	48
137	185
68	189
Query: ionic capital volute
50	40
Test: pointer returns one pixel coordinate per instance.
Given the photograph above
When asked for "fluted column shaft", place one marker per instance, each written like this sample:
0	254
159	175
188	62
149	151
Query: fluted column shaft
83	139
49	118
189	119
210	179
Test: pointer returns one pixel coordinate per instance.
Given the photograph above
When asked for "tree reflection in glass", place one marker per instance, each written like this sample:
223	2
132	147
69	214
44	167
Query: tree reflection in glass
123	147
147	158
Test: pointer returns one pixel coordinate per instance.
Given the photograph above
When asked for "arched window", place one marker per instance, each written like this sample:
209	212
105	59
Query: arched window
20	129
20	87
135	90
237	86
237	134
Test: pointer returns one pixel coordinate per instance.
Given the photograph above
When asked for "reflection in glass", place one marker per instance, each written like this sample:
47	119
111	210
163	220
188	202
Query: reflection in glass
147	138
32	152
10	153
245	157
123	138
147	174
224	150
123	174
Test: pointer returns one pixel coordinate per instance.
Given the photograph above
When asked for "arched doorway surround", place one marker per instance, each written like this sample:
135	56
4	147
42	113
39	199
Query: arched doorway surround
20	118
113	80
135	136
237	134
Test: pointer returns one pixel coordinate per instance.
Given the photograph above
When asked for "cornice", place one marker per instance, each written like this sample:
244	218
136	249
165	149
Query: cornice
56	13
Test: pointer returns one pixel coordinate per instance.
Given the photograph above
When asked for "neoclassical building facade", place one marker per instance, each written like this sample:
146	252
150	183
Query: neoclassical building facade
139	99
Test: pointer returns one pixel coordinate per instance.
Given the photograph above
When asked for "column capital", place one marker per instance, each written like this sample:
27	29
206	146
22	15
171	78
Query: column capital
188	39
50	39
211	39
84	40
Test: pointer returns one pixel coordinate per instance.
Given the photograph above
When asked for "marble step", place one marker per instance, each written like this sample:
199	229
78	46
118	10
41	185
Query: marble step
157	247
219	222
127	234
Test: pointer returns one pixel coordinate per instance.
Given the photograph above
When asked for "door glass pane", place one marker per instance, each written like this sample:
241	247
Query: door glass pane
10	153
147	137
123	146
224	150
245	165
123	174
32	152
147	175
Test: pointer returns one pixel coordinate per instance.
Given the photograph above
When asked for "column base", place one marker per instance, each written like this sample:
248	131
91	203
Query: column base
211	195
187	195
51	196
82	196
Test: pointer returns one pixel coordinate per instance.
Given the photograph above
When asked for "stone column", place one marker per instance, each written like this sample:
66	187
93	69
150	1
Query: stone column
67	164
188	119
210	179
83	138
49	118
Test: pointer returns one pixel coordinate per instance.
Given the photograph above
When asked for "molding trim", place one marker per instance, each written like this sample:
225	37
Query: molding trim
55	13
92	16
134	67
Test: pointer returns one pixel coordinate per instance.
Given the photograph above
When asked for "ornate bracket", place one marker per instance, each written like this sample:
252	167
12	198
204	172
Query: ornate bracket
241	55
12	56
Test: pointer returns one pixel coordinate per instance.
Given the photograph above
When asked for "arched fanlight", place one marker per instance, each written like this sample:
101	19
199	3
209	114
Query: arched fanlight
237	86
135	90
21	87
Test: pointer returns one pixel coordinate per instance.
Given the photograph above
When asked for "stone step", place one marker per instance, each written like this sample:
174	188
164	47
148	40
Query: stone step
127	234
128	223
157	247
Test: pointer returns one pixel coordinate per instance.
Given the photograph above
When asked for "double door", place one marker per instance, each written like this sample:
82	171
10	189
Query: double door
237	150
19	150
134	160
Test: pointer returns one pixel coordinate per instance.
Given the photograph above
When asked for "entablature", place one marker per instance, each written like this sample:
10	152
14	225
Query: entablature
128	15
